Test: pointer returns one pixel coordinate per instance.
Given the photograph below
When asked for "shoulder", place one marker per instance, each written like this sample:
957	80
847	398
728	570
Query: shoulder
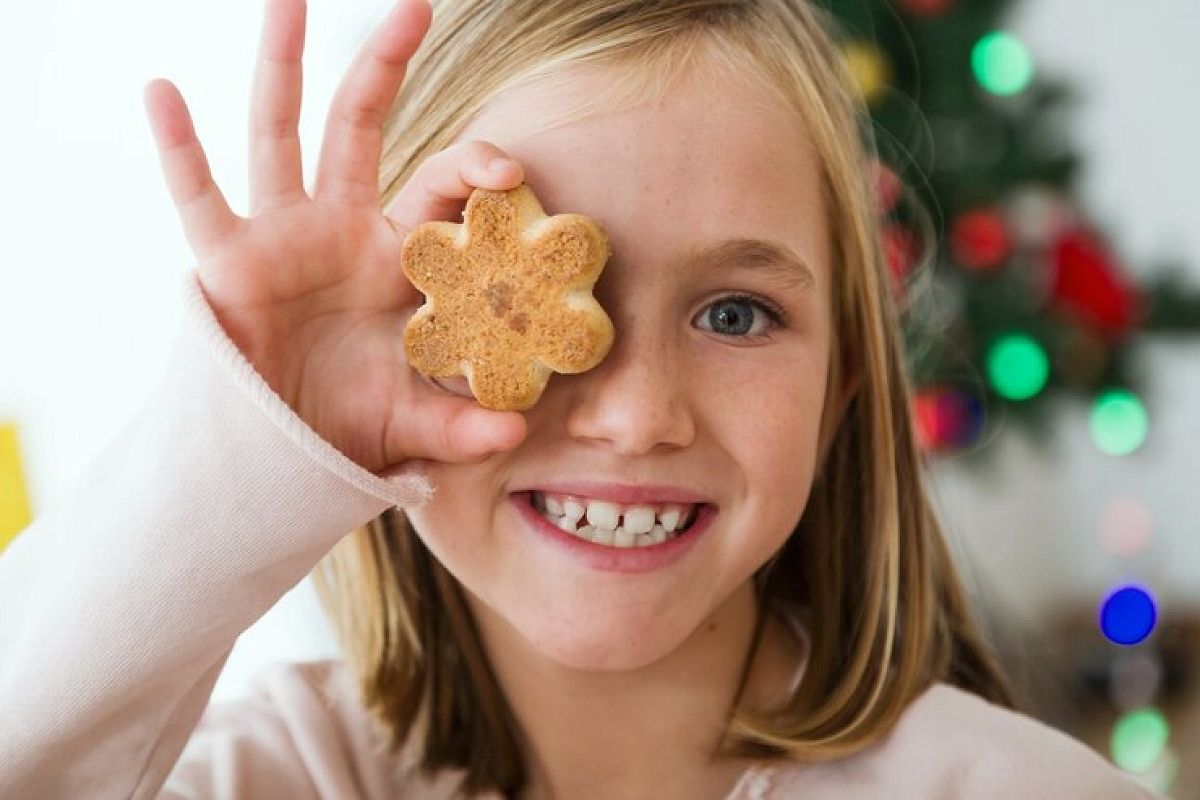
952	743
300	732
1001	752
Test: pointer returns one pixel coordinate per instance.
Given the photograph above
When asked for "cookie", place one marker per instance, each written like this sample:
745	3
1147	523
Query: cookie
508	297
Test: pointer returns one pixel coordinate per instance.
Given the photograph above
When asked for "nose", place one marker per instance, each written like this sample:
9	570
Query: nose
635	401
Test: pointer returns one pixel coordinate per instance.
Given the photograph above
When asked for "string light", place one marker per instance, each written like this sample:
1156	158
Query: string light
1127	615
1017	366
1118	422
1001	63
1139	739
1126	526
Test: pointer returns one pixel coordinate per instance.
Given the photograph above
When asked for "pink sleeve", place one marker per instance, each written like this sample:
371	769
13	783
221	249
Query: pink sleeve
119	607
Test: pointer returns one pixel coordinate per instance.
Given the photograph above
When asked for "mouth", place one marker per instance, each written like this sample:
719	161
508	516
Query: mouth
612	524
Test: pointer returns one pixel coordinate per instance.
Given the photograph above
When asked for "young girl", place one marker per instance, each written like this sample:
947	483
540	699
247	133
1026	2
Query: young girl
804	633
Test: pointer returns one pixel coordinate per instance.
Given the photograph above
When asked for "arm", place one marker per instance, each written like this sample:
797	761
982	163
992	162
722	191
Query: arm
121	605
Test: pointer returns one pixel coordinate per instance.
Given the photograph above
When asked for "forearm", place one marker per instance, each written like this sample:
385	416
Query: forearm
120	606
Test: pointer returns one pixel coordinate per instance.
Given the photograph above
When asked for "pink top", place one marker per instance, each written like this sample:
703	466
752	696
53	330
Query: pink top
119	607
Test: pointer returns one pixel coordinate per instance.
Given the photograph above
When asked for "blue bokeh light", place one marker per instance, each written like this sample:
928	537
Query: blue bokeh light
1128	614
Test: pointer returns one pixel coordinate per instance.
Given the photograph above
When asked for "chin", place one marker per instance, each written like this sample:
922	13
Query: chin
600	645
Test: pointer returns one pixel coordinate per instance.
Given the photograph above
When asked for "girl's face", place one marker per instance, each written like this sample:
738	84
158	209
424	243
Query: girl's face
713	389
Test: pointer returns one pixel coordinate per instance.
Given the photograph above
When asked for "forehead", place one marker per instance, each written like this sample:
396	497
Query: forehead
715	156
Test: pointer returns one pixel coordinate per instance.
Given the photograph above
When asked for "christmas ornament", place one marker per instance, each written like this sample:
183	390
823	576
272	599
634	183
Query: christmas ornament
926	8
901	248
1088	285
947	418
979	239
868	68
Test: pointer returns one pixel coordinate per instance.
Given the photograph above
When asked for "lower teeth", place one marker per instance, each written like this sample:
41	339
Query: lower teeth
615	538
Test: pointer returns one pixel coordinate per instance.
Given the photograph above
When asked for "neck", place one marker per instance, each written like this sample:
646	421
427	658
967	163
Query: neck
648	732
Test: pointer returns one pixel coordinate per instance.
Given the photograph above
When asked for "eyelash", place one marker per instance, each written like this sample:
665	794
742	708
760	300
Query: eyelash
775	315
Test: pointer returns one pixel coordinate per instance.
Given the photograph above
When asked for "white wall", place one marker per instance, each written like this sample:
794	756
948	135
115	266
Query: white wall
94	255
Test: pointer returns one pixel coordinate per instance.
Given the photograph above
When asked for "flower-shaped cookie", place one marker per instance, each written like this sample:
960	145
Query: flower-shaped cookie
508	297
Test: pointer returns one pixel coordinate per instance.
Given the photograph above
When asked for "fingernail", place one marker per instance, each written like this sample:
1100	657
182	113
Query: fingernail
497	164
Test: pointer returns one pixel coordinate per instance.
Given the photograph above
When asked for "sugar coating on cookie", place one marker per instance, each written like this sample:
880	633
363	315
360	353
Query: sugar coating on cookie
508	297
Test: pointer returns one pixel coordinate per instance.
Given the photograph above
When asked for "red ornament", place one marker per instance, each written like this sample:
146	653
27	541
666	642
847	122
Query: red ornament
901	248
1088	284
927	418
946	418
926	8
888	188
980	239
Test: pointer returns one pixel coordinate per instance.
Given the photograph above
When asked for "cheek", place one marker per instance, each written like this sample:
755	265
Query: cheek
458	517
765	414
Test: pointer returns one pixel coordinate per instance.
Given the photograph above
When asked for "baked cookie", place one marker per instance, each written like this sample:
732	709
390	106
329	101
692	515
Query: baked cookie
508	297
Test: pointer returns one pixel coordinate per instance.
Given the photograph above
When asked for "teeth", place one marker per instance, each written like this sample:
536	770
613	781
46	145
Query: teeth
603	515
670	517
639	519
574	511
611	524
622	538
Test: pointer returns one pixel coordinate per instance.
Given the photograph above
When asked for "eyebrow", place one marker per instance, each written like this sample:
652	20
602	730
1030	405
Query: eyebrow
759	255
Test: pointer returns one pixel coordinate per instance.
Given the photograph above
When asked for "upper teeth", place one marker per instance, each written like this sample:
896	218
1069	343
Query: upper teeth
609	516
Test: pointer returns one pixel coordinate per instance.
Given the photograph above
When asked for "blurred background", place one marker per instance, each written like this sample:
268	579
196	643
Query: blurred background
1053	332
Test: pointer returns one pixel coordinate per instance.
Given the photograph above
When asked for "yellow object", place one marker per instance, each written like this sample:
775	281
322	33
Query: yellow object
14	501
868	68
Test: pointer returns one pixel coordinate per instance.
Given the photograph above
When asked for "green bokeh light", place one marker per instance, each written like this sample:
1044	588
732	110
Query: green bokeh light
1119	422
1139	738
1002	65
1017	366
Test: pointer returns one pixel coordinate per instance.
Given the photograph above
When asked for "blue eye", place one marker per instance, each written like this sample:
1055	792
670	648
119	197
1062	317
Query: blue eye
739	315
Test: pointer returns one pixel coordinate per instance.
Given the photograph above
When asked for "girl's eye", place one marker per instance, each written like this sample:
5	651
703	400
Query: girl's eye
739	315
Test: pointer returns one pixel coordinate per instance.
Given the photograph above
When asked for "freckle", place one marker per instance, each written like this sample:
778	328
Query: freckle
712	626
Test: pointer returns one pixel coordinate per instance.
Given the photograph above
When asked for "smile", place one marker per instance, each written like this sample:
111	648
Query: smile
613	524
597	533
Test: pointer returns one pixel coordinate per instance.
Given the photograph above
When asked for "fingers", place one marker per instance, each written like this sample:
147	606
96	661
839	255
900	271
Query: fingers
442	182
276	176
203	210
435	426
348	170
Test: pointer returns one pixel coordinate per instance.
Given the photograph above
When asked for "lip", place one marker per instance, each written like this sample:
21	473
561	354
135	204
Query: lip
623	493
613	559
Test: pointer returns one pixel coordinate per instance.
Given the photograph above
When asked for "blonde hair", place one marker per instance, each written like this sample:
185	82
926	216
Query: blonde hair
867	563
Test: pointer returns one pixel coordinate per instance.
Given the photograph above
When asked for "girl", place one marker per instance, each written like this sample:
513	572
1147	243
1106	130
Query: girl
803	635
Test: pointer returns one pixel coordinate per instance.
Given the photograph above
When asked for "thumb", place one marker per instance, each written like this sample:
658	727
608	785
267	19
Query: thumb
444	427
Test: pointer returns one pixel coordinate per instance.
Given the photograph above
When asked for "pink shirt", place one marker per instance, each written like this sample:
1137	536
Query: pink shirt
119	608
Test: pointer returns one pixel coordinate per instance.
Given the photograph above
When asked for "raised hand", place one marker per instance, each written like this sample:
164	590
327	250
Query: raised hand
310	287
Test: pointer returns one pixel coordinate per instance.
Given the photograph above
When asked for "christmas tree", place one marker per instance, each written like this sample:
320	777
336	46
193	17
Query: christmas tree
1012	295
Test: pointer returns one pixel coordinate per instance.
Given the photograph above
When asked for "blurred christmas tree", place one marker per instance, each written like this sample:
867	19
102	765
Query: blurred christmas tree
1021	298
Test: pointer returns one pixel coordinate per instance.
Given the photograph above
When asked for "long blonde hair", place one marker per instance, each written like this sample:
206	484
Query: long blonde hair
867	563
